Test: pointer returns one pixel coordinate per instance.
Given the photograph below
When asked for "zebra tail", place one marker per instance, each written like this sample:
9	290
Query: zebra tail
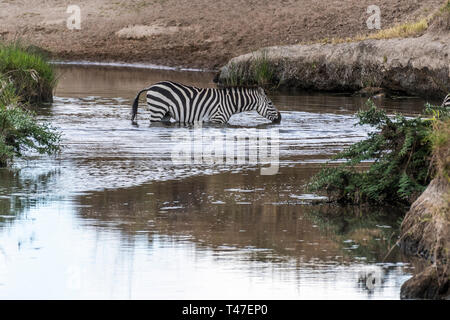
135	106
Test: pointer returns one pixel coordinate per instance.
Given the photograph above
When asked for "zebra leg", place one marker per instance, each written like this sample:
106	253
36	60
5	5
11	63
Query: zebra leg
219	117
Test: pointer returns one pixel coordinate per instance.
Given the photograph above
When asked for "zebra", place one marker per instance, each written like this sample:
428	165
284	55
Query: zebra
446	103
187	104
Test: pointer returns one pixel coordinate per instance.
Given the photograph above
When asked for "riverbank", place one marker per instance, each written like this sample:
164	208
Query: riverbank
419	66
425	231
413	66
192	33
26	78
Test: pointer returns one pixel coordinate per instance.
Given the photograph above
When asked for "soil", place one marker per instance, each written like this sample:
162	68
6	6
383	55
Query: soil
425	233
192	33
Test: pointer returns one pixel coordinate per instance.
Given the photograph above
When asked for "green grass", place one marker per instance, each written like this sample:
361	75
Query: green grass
236	75
440	140
258	71
262	70
27	67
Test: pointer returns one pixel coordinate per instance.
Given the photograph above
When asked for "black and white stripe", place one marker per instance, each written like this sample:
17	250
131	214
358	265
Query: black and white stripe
446	102
188	104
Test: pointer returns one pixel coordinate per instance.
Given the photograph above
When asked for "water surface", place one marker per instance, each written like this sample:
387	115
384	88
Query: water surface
113	216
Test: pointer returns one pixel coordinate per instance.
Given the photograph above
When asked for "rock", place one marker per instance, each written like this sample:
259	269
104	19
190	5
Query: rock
425	285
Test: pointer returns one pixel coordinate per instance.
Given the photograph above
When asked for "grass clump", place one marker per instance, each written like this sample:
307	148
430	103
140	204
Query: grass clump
258	71
440	140
263	70
33	77
19	130
401	31
401	150
405	30
237	74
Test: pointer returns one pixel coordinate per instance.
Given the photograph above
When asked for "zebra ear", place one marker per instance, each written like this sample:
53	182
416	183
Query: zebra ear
261	90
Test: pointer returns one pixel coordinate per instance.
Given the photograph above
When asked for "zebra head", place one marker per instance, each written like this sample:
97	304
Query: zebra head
266	108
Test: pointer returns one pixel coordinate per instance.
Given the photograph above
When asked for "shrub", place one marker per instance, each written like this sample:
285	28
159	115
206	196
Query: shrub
19	130
401	149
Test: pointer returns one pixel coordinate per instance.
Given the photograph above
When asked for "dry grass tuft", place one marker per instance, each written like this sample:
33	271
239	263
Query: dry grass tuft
404	30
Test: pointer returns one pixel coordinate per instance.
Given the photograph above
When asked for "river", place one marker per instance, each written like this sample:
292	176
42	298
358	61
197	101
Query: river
115	217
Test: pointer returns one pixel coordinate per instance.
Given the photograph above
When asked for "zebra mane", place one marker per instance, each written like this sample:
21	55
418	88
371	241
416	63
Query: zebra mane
244	87
223	86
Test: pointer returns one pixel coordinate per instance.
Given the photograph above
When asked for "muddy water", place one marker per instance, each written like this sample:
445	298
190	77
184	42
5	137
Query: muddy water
113	216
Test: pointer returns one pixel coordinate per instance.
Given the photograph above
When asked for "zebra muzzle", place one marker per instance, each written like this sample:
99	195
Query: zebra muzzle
278	119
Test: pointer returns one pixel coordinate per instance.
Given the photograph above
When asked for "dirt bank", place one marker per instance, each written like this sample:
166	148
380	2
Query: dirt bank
426	234
416	66
192	33
425	231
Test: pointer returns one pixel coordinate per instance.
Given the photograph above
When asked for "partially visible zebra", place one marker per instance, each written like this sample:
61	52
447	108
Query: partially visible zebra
188	104
446	102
